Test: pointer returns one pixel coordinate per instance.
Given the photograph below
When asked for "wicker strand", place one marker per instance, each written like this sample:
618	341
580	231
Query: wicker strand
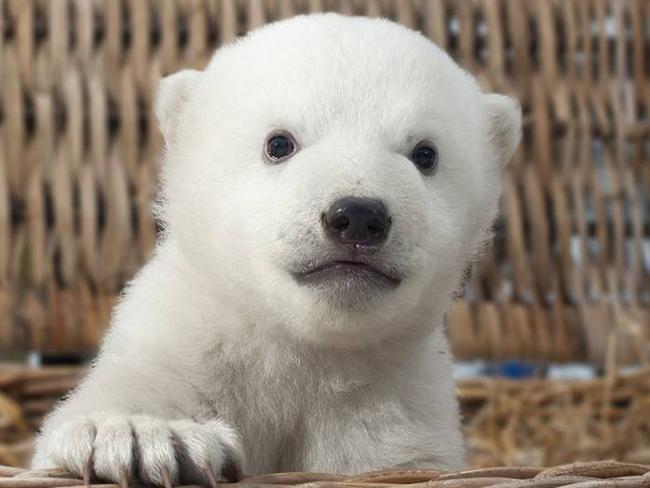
579	475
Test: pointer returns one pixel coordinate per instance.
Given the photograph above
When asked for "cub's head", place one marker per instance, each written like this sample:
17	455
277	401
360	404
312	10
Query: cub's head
333	175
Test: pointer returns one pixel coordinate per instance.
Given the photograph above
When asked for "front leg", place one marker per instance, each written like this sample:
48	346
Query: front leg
138	423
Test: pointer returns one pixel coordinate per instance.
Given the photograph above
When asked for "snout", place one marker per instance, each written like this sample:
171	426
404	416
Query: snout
357	222
352	271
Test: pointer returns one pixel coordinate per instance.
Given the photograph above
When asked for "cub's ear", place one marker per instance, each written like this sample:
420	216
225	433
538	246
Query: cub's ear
173	93
504	124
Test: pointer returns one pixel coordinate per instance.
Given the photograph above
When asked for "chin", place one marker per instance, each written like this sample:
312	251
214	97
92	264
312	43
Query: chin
350	310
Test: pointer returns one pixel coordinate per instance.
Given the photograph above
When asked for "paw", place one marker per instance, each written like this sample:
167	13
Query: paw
154	451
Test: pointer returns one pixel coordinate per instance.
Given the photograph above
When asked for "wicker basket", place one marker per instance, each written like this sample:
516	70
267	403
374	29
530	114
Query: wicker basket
79	149
603	474
26	395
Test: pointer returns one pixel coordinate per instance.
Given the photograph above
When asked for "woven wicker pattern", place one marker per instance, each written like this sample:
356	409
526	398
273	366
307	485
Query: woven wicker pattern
603	474
79	149
26	395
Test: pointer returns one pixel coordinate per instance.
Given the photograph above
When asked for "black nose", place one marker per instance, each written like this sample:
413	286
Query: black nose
357	221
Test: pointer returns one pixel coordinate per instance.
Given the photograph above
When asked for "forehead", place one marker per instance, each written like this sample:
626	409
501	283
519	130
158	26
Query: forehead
330	67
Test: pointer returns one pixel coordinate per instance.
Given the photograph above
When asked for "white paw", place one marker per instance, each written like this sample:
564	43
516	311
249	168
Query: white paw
122	448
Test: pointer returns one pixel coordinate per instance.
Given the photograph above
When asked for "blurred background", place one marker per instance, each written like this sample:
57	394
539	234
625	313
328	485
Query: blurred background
552	331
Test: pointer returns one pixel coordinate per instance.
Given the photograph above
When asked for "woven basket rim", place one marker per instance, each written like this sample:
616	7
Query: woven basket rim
581	474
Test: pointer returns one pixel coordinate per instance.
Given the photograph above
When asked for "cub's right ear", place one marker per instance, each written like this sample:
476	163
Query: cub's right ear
173	93
505	125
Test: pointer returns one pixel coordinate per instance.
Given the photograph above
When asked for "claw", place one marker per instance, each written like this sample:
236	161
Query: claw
210	477
88	471
124	479
166	476
231	470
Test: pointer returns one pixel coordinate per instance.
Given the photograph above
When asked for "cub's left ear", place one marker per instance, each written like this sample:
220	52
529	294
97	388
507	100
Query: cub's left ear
173	93
504	124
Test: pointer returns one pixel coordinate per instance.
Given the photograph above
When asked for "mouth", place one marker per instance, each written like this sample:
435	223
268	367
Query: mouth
348	272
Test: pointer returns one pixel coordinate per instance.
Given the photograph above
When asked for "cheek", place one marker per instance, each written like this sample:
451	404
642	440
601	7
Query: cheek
462	211
442	232
248	208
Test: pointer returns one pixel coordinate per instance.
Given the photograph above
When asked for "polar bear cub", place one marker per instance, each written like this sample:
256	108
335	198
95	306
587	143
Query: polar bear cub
325	182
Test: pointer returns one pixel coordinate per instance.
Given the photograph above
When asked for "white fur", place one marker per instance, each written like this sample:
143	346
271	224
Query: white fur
214	336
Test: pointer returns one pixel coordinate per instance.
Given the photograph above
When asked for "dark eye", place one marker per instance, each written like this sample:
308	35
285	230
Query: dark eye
279	147
425	157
